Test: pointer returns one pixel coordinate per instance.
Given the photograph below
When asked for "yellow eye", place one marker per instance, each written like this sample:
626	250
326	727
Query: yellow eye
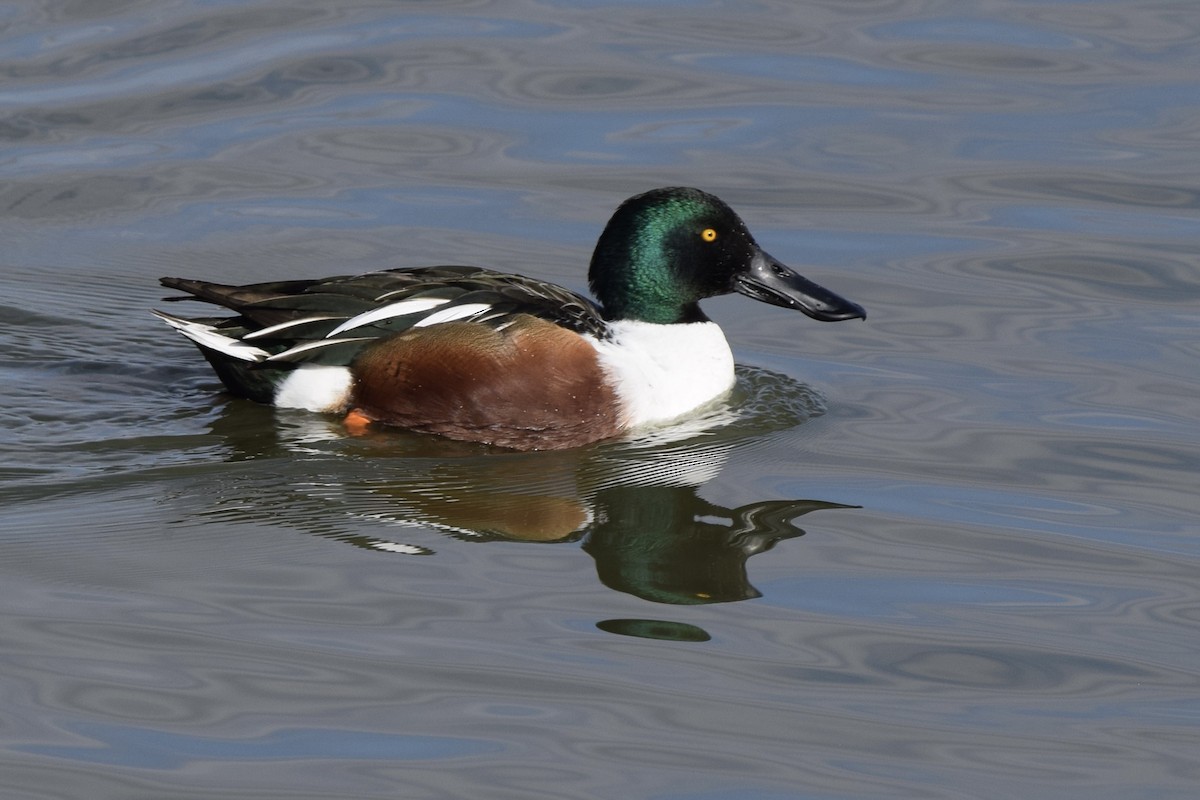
708	235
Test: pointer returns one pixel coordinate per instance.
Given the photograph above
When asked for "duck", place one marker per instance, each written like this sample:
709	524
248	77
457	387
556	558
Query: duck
501	359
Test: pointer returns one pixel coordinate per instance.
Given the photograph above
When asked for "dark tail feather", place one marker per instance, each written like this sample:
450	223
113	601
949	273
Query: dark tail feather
233	297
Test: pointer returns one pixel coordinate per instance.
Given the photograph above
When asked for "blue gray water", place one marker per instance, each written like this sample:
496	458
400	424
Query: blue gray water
948	552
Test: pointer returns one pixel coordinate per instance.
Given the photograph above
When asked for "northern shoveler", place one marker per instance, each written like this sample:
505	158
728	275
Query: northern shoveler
485	356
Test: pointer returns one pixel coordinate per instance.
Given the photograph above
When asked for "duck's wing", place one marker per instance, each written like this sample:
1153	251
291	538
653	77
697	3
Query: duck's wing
329	320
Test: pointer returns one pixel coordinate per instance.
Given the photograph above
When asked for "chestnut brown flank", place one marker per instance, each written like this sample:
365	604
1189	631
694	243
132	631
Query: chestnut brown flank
531	386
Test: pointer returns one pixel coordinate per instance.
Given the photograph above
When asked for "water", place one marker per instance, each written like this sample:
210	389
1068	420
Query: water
949	552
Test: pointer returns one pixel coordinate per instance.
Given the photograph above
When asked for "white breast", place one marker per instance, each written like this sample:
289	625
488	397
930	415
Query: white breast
662	372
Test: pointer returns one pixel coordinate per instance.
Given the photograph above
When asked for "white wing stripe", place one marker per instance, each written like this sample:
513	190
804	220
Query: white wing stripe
283	326
304	348
457	312
387	312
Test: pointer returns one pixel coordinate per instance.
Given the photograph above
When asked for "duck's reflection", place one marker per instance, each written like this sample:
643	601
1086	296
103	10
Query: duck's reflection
635	506
639	516
668	545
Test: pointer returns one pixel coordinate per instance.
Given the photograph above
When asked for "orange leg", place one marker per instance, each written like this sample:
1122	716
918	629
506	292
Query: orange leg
357	423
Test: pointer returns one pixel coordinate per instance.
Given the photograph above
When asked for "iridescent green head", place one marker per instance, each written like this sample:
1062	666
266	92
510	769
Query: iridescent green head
666	250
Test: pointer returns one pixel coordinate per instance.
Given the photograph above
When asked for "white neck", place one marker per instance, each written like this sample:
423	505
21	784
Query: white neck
662	372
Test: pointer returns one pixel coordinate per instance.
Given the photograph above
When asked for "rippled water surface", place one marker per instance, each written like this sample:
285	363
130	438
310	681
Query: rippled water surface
949	552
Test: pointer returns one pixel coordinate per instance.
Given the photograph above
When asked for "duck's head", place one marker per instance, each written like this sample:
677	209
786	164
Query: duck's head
666	250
